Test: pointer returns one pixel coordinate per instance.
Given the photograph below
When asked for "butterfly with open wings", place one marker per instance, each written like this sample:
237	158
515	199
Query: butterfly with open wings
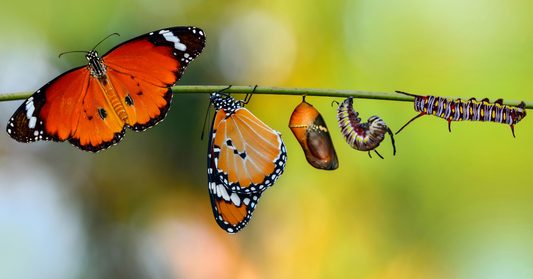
91	106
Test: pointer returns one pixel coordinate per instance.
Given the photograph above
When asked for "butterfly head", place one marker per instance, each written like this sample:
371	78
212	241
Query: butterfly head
225	102
96	64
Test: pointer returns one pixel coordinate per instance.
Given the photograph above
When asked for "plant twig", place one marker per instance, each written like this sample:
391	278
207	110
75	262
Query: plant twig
285	91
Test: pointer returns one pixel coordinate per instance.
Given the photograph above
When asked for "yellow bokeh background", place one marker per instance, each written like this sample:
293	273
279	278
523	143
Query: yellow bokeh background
448	205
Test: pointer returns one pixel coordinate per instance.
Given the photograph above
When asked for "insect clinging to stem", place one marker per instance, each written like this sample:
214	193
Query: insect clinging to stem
470	110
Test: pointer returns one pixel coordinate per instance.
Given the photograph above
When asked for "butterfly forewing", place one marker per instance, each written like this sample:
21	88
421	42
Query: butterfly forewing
250	152
149	65
92	111
52	112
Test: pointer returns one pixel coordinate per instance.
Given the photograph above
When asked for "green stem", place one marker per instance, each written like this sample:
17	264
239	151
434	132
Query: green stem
285	91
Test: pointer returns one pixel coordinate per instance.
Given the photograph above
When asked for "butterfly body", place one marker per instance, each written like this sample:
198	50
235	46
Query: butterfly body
129	87
245	157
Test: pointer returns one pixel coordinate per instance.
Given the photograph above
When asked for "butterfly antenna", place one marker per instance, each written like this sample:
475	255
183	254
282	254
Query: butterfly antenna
72	52
205	120
93	47
335	102
105	39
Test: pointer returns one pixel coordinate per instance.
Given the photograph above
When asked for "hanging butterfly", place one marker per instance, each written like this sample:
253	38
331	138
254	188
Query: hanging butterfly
244	158
362	136
471	110
91	106
311	131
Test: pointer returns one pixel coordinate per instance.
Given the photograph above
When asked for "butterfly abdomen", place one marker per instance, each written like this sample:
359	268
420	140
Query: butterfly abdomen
113	99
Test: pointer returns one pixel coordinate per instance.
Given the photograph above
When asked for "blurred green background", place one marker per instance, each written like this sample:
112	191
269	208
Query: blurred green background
448	205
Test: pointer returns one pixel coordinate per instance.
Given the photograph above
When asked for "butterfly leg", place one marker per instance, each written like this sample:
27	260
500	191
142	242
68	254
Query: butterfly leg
220	91
450	124
249	96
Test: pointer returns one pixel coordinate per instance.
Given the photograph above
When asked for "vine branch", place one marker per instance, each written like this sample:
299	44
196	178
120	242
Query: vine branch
286	91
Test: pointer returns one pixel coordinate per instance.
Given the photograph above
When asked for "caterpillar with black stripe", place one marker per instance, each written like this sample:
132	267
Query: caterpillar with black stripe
362	136
471	110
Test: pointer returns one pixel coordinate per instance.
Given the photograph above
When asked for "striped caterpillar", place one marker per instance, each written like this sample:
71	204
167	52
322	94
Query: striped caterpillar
361	136
471	110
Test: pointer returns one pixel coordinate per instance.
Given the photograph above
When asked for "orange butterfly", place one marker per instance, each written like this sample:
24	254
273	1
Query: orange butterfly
91	106
244	158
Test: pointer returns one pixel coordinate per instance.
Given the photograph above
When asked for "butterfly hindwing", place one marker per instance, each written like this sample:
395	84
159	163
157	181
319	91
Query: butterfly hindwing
98	126
232	210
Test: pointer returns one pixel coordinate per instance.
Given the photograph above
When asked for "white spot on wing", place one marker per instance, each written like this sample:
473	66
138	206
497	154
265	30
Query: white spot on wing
169	36
33	121
235	199
221	192
30	109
